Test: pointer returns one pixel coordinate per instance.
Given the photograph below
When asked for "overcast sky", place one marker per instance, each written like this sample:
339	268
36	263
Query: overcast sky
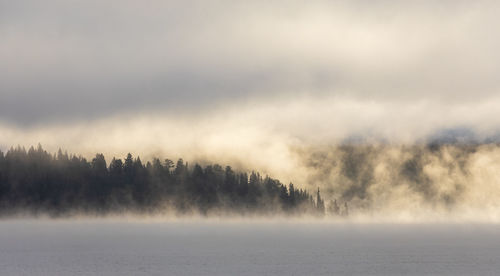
314	71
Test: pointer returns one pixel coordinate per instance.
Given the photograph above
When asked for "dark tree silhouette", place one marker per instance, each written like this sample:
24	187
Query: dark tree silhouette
36	181
320	204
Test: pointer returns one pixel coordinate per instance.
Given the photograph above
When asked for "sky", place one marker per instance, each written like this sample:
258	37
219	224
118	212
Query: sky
244	81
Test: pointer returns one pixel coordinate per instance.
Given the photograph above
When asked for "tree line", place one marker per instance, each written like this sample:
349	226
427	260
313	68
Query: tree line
39	182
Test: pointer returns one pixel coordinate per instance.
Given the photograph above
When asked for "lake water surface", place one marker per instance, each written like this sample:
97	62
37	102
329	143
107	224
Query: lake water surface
111	247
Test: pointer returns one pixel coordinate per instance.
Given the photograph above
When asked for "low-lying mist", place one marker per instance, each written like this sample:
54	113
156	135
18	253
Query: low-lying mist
358	182
357	152
409	182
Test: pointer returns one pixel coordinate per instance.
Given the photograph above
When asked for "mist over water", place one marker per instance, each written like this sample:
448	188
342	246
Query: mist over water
345	97
410	182
381	182
236	137
432	175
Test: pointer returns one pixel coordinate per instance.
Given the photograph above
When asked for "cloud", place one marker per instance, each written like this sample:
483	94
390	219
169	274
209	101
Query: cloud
398	178
266	85
74	60
263	138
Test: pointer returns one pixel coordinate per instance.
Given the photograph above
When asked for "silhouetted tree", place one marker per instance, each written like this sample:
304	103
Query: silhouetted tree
320	204
38	181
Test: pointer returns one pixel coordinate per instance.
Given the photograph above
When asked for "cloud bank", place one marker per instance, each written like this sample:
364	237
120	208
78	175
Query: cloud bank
261	84
74	60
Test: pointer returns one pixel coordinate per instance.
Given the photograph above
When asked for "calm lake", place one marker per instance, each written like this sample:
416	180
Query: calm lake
120	247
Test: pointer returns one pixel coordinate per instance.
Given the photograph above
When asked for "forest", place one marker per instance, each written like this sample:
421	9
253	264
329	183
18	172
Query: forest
36	182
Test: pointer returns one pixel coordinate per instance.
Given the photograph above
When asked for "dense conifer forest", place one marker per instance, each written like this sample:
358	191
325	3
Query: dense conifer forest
37	182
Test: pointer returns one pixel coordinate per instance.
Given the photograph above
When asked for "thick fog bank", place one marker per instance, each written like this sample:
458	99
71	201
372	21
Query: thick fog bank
433	181
359	182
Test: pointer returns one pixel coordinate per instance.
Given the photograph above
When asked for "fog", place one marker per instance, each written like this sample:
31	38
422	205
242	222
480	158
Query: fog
381	177
341	96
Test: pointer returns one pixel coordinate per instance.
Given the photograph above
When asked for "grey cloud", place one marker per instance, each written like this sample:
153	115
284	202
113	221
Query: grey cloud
90	59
